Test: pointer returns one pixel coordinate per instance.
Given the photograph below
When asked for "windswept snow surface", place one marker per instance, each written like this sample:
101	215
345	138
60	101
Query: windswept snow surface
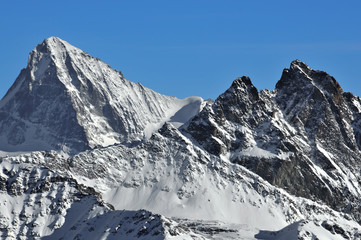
37	203
189	183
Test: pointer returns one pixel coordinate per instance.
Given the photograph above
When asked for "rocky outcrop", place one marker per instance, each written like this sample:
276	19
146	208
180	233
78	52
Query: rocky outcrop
303	136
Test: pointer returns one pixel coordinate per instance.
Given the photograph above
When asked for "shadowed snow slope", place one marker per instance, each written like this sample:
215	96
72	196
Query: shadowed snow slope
67	100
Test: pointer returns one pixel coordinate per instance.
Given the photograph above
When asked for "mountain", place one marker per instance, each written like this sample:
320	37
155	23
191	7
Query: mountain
303	136
67	100
280	164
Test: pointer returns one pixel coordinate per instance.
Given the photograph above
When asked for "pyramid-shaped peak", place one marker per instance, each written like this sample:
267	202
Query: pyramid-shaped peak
53	51
55	45
53	39
56	42
68	100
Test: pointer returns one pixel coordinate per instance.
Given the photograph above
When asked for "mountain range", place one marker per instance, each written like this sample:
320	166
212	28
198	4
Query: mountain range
87	154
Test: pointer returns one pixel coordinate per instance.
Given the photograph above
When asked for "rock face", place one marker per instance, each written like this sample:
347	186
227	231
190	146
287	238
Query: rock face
281	164
67	100
303	136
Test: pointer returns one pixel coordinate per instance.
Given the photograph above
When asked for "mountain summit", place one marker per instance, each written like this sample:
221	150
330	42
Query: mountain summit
67	100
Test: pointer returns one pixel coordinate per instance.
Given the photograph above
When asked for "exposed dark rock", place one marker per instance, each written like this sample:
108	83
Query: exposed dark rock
307	116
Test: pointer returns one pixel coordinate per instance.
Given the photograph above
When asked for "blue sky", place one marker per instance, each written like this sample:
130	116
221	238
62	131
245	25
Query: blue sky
191	47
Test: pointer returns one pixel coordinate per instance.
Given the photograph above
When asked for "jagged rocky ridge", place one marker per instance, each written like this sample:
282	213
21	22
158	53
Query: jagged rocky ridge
303	136
281	164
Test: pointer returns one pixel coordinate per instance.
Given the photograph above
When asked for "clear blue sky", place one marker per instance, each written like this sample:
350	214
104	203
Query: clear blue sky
191	47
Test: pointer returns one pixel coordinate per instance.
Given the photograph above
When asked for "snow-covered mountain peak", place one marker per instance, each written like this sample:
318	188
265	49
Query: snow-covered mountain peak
55	55
56	45
66	99
52	44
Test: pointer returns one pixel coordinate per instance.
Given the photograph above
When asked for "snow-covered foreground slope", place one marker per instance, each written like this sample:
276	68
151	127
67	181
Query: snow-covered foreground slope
38	203
68	100
189	183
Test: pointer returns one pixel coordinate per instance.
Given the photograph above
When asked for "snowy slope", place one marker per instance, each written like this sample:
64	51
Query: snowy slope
67	100
38	203
188	183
